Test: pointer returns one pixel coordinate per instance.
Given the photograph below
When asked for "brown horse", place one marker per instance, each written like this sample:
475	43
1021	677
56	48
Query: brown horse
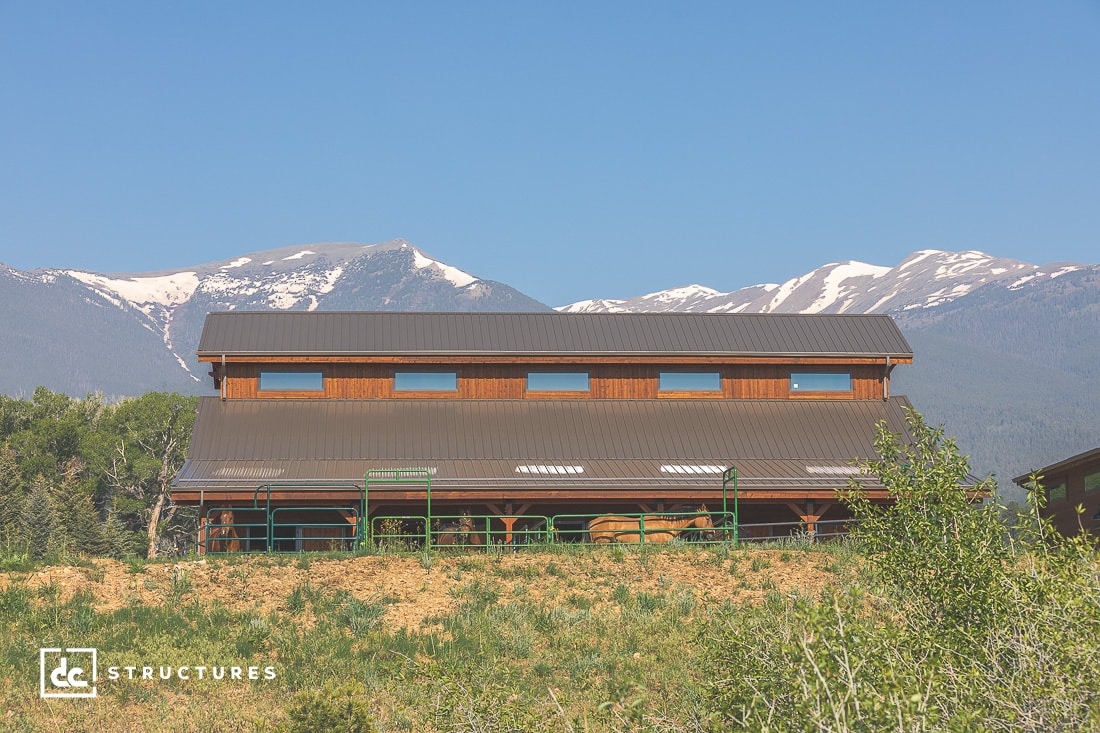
461	534
223	535
657	528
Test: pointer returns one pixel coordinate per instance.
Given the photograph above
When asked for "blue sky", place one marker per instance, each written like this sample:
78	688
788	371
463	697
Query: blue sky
569	149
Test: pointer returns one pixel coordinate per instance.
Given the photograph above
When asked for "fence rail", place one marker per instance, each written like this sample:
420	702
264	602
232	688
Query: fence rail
283	530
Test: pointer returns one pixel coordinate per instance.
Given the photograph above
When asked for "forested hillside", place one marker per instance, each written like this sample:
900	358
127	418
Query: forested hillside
1010	372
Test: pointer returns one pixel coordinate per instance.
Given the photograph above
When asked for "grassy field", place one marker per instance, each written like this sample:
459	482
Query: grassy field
564	639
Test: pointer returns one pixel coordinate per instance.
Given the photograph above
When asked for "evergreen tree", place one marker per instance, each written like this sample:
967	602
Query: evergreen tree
77	512
40	525
11	500
120	541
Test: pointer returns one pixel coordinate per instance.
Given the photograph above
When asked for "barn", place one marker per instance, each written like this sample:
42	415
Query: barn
334	428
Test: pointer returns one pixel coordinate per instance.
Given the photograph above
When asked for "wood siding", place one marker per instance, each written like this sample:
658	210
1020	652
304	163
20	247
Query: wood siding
509	381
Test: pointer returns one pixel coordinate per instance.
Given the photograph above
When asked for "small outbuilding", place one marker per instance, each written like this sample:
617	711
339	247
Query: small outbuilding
1068	484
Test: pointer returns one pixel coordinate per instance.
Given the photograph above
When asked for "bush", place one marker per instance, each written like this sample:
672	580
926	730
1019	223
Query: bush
336	708
958	624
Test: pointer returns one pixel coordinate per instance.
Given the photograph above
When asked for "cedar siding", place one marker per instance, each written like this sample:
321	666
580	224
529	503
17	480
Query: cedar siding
508	381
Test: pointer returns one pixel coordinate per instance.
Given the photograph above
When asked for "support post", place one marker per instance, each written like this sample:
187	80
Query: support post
202	532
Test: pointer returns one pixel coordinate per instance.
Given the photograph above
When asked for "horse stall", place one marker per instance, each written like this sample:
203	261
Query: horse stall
458	531
283	529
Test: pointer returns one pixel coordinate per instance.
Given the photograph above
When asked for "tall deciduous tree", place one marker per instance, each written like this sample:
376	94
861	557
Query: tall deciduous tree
150	445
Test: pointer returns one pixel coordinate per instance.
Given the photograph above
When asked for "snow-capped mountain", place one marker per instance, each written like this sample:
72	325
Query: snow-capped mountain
923	279
1003	347
170	306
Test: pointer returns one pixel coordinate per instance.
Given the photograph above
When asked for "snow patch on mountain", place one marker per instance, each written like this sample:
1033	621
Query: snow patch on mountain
167	290
838	283
459	278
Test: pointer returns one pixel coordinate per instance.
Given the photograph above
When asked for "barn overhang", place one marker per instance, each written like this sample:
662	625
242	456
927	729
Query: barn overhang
529	450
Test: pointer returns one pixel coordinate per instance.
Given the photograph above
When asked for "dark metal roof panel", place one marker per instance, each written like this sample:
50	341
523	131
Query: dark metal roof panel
323	438
497	474
376	333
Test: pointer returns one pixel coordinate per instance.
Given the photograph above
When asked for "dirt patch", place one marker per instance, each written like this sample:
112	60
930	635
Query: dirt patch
417	590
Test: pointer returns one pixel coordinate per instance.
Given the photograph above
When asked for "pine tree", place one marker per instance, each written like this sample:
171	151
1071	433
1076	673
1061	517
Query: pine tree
84	529
120	543
12	498
77	512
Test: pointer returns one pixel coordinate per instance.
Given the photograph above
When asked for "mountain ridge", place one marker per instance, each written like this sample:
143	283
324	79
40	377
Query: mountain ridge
924	279
171	304
1004	348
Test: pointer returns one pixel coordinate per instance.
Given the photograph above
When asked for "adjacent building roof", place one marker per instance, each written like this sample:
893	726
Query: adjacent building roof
1088	457
298	333
240	444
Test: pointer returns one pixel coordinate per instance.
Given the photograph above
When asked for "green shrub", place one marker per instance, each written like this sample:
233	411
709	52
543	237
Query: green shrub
956	625
335	708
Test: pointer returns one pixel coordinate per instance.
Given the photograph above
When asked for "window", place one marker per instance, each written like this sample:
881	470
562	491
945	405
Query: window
1058	492
292	382
425	382
690	382
1092	481
557	381
821	382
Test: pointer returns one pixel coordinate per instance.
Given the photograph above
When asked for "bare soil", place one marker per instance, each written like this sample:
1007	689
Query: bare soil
415	595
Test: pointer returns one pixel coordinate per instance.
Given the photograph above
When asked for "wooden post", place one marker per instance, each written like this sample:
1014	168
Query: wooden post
810	515
202	532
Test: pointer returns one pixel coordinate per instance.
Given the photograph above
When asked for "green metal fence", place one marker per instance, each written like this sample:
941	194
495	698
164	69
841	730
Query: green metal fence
329	536
489	531
402	478
223	537
458	530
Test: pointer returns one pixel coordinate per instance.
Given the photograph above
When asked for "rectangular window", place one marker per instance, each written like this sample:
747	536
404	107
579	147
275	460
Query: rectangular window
821	382
425	382
689	382
1058	492
292	382
557	381
1092	481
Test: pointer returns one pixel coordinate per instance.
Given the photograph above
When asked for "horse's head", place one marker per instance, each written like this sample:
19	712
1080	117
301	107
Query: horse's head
704	521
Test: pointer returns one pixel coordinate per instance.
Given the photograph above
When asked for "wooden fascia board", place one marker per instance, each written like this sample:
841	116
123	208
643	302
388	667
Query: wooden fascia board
539	495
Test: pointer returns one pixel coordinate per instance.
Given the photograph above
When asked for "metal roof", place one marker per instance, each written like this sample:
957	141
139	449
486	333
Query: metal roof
279	333
1072	462
523	443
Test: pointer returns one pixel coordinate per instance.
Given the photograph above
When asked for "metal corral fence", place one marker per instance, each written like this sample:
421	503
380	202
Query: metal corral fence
281	530
460	530
472	532
822	531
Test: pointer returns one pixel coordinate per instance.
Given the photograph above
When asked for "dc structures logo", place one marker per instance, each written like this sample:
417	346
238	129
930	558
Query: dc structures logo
70	672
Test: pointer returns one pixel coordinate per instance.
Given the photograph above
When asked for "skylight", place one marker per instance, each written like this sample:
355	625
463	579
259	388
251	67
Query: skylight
549	470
